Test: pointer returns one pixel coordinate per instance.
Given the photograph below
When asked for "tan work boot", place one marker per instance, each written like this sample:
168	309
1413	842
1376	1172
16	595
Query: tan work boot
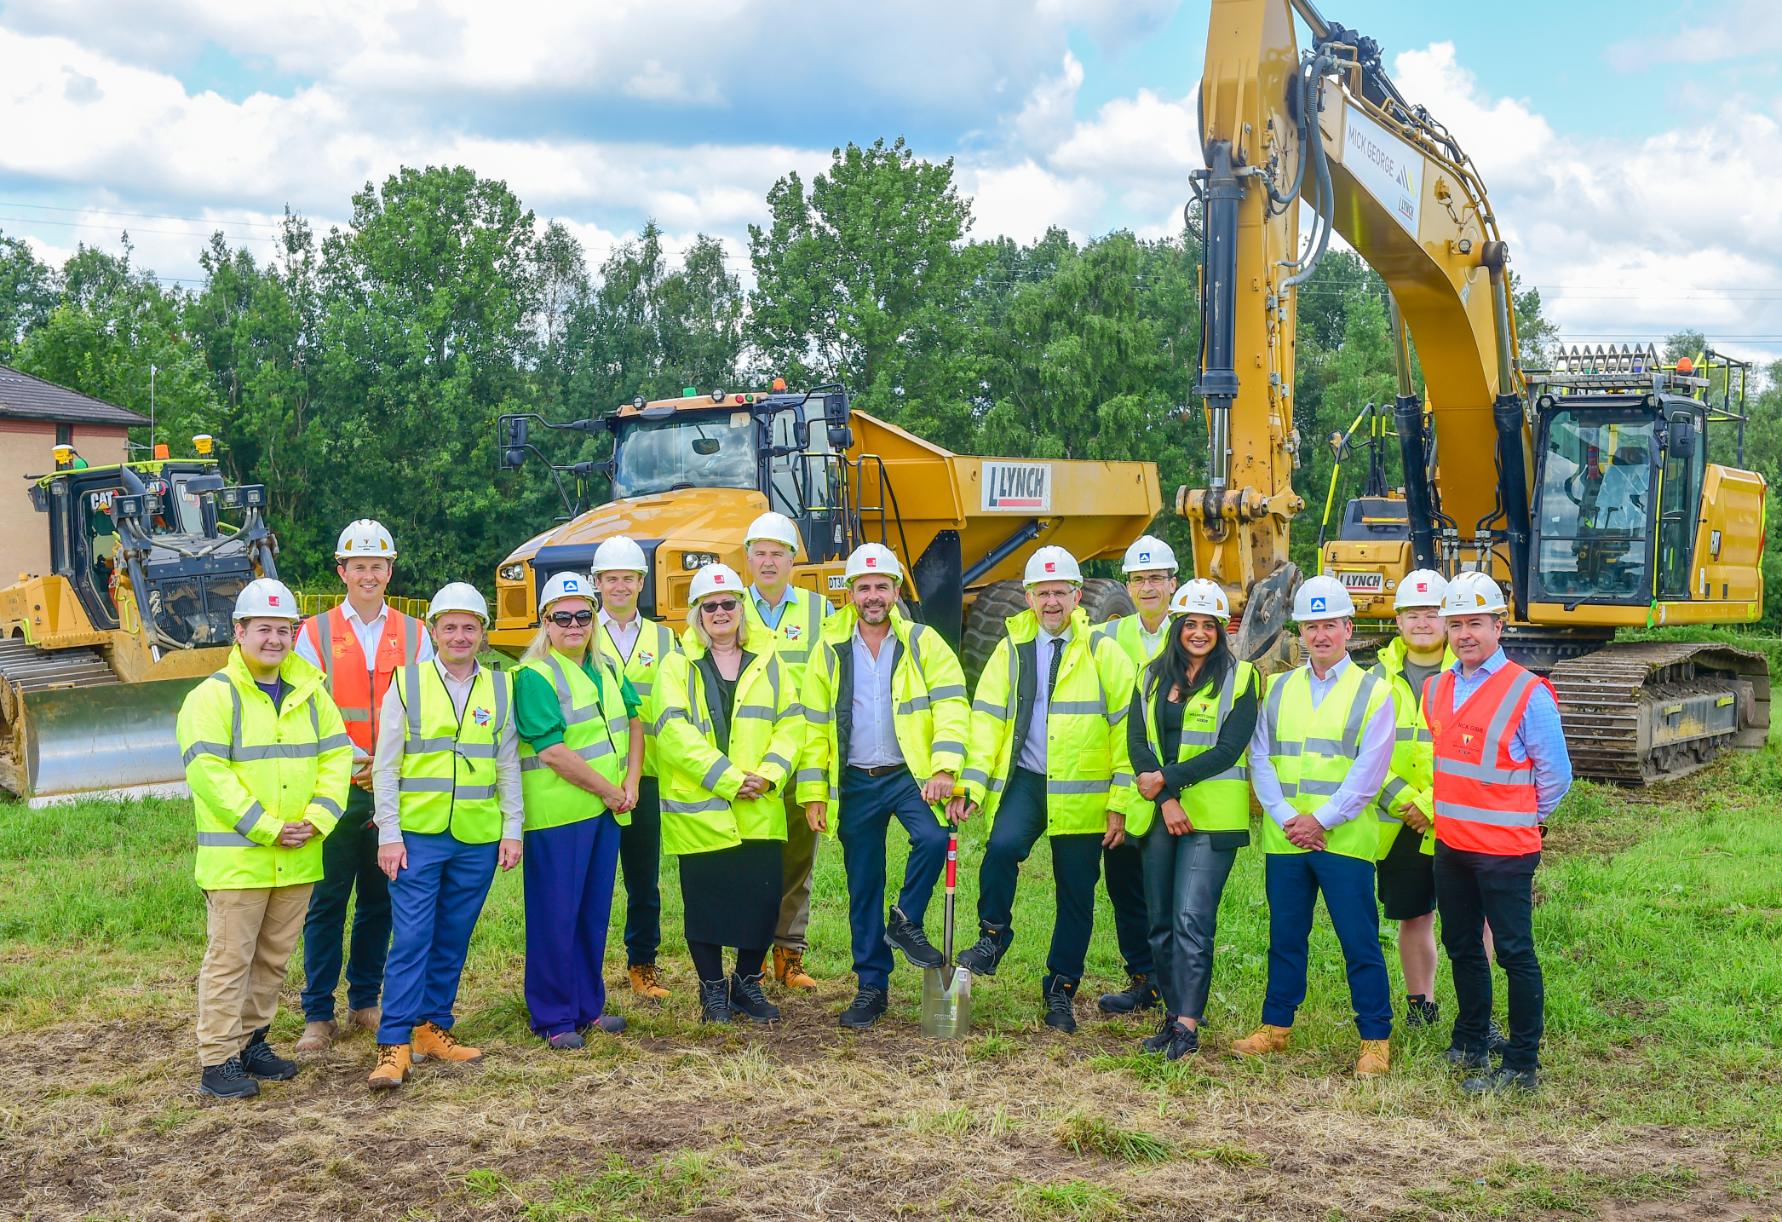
432	1040
393	1061
788	969
1375	1058
646	982
1266	1040
367	1019
318	1037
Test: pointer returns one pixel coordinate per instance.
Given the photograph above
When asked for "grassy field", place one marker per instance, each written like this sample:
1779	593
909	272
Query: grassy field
1660	923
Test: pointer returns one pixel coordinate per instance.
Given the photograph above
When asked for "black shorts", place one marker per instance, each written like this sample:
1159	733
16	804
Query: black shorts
1406	878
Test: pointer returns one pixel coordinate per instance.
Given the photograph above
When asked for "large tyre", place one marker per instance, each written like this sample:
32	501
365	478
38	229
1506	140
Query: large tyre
985	624
1105	599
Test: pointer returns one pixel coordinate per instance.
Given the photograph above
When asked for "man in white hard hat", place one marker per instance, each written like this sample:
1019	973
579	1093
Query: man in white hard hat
359	645
1047	756
268	762
1501	768
885	702
446	776
1320	753
1150	568
638	645
793	617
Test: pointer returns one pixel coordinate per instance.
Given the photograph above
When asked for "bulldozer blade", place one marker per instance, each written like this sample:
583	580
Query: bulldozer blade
1265	611
111	740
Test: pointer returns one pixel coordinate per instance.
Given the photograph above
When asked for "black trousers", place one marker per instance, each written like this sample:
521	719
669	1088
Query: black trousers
1124	869
640	862
1076	866
1471	889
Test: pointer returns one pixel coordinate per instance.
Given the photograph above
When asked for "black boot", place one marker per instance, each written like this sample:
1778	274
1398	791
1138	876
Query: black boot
1420	1011
747	998
1059	992
981	958
1183	1041
714	1001
1502	1080
1159	1041
869	1002
905	935
228	1081
1139	994
1495	1039
260	1061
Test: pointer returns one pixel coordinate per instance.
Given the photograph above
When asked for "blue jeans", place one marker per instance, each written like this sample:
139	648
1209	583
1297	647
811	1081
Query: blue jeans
868	804
1076	867
569	898
349	863
1294	882
434	902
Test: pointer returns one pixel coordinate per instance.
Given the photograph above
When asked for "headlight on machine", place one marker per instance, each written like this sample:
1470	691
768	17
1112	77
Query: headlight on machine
511	572
697	560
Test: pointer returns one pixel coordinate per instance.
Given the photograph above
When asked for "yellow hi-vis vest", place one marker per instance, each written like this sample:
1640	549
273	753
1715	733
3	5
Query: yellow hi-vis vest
1124	632
252	769
801	621
1313	748
1220	803
700	809
929	713
1411	778
1088	768
654	642
595	727
447	778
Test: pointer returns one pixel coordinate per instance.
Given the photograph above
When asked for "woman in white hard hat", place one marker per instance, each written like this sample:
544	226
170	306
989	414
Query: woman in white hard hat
728	730
1195	707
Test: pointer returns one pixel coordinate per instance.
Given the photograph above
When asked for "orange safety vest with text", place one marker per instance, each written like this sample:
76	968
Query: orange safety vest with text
358	686
1484	798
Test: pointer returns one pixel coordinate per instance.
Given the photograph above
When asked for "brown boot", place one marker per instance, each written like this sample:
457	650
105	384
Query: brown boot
432	1040
318	1037
788	969
1376	1058
646	982
366	1019
393	1061
1266	1040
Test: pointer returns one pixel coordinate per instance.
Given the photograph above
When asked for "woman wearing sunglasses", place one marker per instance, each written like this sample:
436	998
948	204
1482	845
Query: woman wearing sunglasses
581	753
727	730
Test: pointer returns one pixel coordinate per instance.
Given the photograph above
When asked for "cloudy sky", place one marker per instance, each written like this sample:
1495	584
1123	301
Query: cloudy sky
1633	151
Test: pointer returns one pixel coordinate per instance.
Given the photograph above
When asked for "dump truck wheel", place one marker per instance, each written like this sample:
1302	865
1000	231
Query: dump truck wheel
985	623
1105	599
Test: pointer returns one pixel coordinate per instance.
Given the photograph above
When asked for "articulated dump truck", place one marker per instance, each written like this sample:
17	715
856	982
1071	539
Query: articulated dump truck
689	474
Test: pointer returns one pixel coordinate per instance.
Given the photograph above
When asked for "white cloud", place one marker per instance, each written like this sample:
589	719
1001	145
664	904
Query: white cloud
1023	201
1051	108
1141	139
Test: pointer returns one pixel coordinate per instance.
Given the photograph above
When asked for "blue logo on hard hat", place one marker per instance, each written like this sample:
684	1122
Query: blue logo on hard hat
572	584
1143	556
1318	602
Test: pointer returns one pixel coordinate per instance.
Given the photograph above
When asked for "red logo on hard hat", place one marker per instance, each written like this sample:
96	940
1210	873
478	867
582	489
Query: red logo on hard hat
1051	566
872	562
717	579
272	600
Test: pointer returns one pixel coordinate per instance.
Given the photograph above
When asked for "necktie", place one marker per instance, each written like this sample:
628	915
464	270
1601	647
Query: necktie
1057	657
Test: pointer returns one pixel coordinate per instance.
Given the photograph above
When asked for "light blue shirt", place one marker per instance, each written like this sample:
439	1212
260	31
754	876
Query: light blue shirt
1033	747
1364	778
770	614
1539	738
872	742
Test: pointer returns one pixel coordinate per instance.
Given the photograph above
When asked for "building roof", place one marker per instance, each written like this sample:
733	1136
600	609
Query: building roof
23	397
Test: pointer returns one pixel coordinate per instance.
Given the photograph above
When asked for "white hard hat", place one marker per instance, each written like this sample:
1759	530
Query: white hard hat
365	538
1201	597
1052	564
1473	594
1420	588
266	598
775	527
619	553
458	596
714	579
1321	597
1147	554
871	558
565	585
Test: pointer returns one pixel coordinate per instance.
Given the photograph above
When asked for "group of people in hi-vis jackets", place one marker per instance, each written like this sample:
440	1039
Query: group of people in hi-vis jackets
364	756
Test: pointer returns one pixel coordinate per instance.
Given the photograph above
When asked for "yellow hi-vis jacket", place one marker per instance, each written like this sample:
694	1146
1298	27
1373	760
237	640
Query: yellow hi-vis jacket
654	642
700	809
252	769
1088	768
1220	803
1312	749
801	621
1124	632
930	714
1410	780
447	778
595	727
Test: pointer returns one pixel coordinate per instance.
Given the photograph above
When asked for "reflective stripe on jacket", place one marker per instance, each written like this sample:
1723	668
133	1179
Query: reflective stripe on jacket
595	726
1220	803
1485	800
447	778
1312	749
1411	775
801	623
357	685
654	643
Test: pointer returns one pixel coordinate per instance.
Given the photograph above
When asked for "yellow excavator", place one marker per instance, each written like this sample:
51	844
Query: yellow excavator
1586	489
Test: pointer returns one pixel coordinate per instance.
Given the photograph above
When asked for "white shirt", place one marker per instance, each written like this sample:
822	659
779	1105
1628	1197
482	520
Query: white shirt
1365	777
1153	641
1033	747
386	766
872	743
368	632
624	635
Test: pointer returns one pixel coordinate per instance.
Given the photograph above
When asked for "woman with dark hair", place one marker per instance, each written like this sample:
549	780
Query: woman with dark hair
1192	716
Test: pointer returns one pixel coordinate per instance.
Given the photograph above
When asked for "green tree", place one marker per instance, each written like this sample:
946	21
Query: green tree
28	291
1537	336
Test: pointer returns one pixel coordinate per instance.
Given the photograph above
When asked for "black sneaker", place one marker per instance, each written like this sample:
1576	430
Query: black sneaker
1059	993
747	998
1159	1041
868	1004
260	1061
1420	1011
714	1001
981	958
227	1081
1501	1080
606	1024
905	935
1139	994
1460	1058
1183	1041
1495	1039
566	1041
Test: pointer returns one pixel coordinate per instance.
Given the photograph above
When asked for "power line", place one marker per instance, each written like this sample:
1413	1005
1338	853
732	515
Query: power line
151	216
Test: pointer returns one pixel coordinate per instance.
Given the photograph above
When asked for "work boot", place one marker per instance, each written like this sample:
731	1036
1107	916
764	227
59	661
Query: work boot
368	1019
646	982
1183	1041
1501	1080
1266	1040
1059	992
1375	1058
1139	994
905	935
606	1024
435	1041
1460	1058
318	1037
1495	1039
260	1061
227	1081
982	956
393	1061
788	969
869	1002
566	1041
714	1001
1158	1041
1420	1011
747	998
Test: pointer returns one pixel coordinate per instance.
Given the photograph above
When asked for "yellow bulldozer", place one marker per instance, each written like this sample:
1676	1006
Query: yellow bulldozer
97	653
688	474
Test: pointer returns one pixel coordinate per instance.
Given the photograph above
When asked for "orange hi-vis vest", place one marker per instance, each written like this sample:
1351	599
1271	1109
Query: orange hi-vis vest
358	686
1484	799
